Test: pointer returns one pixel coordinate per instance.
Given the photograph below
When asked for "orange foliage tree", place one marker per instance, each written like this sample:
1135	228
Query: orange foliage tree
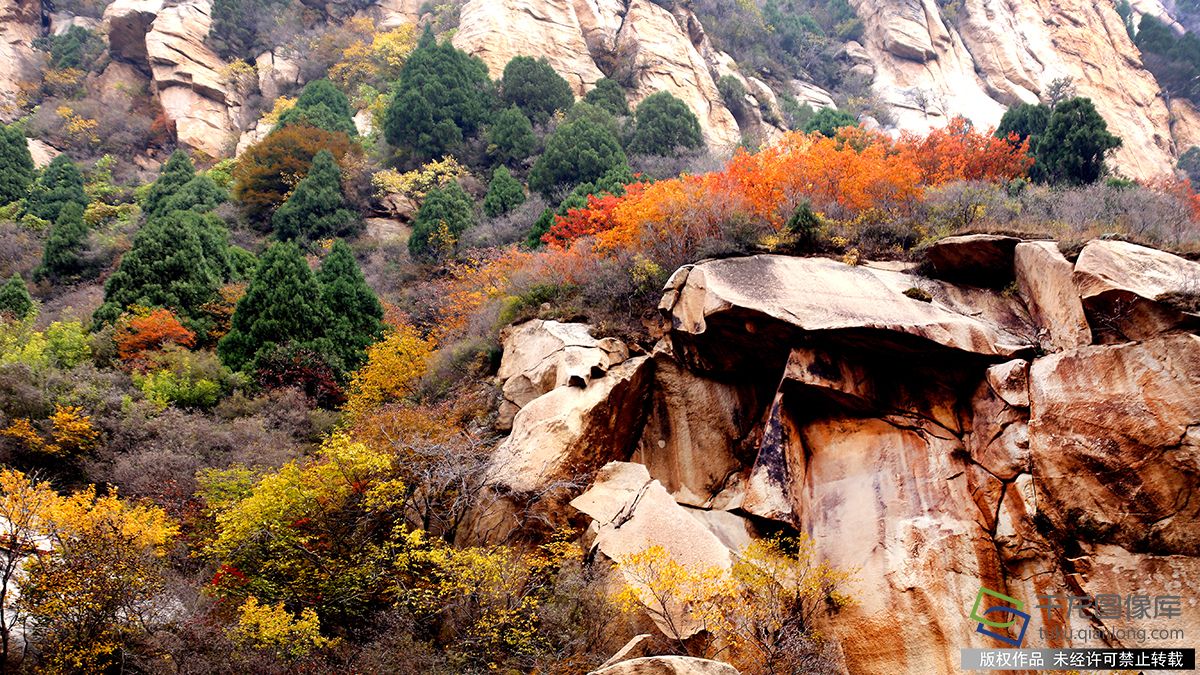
146	331
266	173
958	152
854	172
596	217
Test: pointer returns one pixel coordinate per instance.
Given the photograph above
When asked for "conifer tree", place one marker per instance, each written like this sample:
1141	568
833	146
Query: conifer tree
60	184
445	214
317	207
504	193
510	137
176	173
1071	151
16	165
577	152
15	300
200	194
282	307
62	258
533	86
167	267
356	315
827	121
609	96
322	105
444	95
663	125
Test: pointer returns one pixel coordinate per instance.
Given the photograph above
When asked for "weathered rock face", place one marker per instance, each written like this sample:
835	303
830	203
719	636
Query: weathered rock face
699	431
20	25
1115	439
668	665
1044	278
978	259
542	355
664	58
770	300
558	439
632	512
995	54
389	14
127	22
42	153
498	31
191	80
1134	292
982	439
638	42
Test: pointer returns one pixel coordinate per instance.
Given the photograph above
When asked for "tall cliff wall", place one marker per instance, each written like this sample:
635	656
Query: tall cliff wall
1042	442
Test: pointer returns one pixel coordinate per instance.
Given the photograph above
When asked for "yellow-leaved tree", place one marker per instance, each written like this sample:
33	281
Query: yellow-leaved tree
315	534
25	508
90	571
273	627
762	614
395	366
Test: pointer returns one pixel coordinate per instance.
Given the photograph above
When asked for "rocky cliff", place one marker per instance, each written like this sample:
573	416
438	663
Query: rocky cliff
647	47
1011	419
996	54
20	25
928	61
927	67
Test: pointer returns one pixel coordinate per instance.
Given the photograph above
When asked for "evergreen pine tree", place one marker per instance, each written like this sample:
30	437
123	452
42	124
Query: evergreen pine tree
443	97
200	194
214	240
577	152
510	136
62	258
504	193
60	184
445	214
356	315
827	121
609	96
167	267
1072	148
533	86
317	208
16	165
322	105
15	300
663	124
282	307
78	48
173	175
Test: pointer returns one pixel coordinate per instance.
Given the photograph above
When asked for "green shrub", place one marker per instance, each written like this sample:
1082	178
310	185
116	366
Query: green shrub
504	194
445	214
663	125
577	152
534	87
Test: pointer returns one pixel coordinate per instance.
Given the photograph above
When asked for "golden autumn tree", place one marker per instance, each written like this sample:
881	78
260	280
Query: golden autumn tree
66	433
95	584
395	365
762	614
25	508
